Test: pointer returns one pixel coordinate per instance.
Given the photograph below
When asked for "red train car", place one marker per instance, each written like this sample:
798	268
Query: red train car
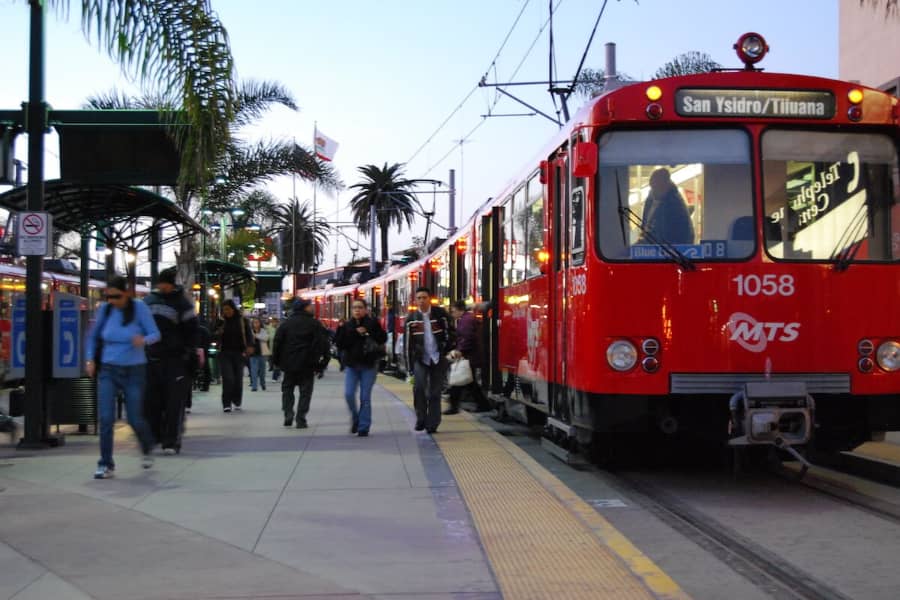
751	300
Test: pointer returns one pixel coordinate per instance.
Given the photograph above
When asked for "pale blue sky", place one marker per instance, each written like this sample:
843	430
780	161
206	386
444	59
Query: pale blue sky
381	77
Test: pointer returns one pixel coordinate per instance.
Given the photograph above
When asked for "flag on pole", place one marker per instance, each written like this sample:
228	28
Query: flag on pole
325	146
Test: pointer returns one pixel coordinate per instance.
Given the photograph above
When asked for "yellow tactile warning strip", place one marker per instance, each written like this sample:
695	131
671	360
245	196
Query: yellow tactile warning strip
542	540
885	451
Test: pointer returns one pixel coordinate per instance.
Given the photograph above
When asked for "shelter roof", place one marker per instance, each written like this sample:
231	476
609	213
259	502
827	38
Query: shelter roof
225	273
83	206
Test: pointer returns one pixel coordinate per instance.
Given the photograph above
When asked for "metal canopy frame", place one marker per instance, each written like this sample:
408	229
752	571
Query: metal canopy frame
224	273
122	210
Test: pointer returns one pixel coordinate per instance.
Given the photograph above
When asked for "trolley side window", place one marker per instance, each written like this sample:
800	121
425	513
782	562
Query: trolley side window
830	196
687	191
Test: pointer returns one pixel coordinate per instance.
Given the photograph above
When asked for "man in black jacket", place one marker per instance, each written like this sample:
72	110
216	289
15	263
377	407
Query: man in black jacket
428	339
299	350
170	361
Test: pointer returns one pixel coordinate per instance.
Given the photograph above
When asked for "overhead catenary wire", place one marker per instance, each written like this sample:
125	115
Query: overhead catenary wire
474	89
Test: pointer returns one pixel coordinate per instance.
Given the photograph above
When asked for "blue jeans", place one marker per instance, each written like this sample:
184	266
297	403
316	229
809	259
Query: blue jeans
257	371
130	381
365	379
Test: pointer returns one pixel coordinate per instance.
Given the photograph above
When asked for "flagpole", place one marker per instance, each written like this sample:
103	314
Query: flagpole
315	264
294	230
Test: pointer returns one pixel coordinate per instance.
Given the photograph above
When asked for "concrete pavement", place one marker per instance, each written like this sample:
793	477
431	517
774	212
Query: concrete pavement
249	509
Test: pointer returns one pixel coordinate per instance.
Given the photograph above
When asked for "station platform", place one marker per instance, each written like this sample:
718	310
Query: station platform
253	509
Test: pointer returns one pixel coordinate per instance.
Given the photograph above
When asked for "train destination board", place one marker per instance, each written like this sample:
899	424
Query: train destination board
779	104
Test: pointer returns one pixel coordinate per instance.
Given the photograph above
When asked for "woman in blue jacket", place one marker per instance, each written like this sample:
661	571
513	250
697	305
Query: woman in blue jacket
116	341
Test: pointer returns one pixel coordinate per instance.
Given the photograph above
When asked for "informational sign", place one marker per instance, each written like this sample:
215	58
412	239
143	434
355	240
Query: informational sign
17	334
778	104
66	336
34	234
273	304
705	249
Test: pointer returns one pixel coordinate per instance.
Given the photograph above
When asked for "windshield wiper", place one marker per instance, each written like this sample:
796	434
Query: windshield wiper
845	250
674	253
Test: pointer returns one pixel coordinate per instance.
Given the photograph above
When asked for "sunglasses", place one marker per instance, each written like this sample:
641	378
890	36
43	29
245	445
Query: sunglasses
112	296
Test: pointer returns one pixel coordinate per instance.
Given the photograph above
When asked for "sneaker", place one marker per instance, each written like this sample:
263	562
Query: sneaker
354	427
363	433
104	473
432	430
238	409
263	388
288	421
227	409
169	451
147	461
302	424
252	389
420	426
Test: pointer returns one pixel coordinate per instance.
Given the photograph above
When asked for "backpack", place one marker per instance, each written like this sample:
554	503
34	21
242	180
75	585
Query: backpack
320	351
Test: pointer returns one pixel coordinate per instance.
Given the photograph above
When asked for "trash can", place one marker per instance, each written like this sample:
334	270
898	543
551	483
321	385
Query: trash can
17	402
73	401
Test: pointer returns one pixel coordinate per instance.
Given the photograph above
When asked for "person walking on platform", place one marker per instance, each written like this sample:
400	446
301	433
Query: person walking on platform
114	351
260	355
271	328
466	346
361	342
171	361
235	345
428	339
299	350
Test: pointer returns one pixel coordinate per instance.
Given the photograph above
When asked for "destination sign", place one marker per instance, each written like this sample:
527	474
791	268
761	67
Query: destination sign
778	104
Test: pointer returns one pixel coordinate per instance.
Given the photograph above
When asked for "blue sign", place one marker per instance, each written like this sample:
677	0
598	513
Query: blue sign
705	249
66	335
17	335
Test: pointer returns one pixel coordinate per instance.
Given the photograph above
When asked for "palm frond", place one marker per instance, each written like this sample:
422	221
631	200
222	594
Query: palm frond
254	98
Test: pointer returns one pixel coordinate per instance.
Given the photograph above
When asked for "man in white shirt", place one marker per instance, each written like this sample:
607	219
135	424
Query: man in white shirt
427	341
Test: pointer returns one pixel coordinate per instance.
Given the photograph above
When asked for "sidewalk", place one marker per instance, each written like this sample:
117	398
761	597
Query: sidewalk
249	509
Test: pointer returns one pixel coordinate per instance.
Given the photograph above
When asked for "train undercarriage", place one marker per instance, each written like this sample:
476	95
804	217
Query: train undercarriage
782	415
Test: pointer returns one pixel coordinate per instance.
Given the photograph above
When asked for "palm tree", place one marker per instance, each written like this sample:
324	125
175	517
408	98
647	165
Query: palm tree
302	238
180	49
385	189
240	166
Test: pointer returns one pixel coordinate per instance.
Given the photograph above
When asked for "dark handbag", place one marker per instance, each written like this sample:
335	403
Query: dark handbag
372	350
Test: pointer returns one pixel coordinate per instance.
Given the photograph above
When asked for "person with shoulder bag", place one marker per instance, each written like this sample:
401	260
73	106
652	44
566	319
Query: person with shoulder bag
361	342
260	355
235	345
466	348
114	352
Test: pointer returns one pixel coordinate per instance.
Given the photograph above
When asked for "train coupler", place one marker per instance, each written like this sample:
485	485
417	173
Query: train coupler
772	412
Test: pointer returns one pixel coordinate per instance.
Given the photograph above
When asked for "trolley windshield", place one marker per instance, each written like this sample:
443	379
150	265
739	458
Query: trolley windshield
683	195
830	196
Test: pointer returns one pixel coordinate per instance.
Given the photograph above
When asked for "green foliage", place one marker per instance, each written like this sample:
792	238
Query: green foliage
688	63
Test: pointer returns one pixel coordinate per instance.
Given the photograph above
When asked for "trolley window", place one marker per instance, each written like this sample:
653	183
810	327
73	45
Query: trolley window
673	195
830	196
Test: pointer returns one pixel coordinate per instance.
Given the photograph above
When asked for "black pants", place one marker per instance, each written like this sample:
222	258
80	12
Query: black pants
168	388
305	384
231	364
428	381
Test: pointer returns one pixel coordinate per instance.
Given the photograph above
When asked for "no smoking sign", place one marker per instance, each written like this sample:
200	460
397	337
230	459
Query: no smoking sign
34	233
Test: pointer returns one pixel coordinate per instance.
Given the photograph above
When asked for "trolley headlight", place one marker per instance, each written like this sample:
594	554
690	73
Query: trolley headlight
888	356
621	355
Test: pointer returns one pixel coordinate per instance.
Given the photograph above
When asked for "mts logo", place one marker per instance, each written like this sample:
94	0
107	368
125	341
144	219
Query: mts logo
754	335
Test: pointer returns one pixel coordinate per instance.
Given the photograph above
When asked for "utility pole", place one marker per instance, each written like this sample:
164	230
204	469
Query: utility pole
36	433
451	229
372	222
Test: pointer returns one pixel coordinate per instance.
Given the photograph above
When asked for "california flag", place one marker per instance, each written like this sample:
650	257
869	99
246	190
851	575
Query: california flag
325	146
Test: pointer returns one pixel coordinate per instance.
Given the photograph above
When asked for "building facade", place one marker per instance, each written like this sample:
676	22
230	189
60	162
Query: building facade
869	45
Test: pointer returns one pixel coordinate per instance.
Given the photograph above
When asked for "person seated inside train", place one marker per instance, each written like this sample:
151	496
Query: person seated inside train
666	216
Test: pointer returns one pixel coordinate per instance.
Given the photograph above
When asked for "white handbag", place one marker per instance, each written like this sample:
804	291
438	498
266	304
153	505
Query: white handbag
460	373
